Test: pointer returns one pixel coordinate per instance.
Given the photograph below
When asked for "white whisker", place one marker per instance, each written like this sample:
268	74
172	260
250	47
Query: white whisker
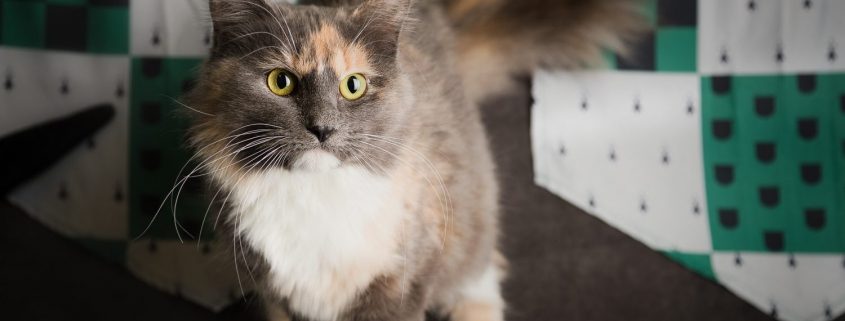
188	107
259	49
183	180
255	33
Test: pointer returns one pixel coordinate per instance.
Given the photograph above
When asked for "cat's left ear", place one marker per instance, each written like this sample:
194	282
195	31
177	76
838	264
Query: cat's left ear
230	18
381	22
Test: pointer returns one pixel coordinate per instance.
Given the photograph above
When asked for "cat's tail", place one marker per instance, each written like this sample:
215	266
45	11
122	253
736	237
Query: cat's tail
500	39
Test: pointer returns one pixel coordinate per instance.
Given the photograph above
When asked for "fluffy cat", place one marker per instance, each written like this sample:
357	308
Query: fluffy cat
344	143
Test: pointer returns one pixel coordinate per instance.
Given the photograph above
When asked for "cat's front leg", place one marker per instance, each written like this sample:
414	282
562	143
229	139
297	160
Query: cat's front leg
481	299
470	310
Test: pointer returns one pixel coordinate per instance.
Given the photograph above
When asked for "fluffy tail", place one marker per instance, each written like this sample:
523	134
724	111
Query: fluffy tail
499	39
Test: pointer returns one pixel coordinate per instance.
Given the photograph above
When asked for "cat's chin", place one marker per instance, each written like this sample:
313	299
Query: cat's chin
316	161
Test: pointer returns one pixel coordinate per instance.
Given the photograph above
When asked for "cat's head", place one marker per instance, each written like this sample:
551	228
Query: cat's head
302	87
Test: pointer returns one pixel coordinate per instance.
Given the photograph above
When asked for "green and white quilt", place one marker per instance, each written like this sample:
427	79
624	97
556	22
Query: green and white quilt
720	142
61	56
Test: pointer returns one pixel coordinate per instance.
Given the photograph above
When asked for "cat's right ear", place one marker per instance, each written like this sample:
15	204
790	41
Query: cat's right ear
231	18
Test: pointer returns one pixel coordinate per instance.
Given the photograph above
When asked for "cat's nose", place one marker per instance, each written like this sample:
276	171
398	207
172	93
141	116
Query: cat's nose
322	132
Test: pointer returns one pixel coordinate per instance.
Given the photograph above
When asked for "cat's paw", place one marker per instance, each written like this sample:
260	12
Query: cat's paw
481	297
478	311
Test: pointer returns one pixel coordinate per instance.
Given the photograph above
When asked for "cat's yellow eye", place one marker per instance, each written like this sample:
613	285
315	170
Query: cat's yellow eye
281	82
353	86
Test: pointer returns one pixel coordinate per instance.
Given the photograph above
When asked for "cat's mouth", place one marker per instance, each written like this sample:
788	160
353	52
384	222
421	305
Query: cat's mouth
316	160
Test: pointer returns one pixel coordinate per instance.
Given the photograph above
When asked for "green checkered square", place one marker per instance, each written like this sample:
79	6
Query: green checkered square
156	149
73	25
773	171
23	23
108	27
676	49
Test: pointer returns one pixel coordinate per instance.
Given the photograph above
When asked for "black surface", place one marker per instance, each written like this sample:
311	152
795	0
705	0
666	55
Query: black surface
565	264
44	276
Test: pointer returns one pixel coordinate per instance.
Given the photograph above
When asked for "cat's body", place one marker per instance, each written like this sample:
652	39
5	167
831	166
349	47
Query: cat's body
375	208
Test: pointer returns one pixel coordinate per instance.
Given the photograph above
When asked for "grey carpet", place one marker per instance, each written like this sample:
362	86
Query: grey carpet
565	264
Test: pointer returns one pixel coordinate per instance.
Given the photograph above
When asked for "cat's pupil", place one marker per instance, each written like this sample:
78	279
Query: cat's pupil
283	81
353	84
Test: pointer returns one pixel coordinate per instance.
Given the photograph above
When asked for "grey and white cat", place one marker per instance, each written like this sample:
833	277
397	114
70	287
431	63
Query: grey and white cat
344	140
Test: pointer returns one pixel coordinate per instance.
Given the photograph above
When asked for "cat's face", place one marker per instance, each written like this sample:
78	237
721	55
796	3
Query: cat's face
301	86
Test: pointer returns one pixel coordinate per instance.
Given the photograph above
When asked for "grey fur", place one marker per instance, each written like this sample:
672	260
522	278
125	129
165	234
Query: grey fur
419	94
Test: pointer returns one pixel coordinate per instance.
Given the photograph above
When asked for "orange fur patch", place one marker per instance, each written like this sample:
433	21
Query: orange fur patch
326	48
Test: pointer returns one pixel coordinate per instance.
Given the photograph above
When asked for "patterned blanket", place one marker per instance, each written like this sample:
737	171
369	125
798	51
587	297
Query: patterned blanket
720	142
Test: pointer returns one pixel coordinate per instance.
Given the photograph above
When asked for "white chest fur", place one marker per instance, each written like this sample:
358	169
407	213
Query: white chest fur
325	234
